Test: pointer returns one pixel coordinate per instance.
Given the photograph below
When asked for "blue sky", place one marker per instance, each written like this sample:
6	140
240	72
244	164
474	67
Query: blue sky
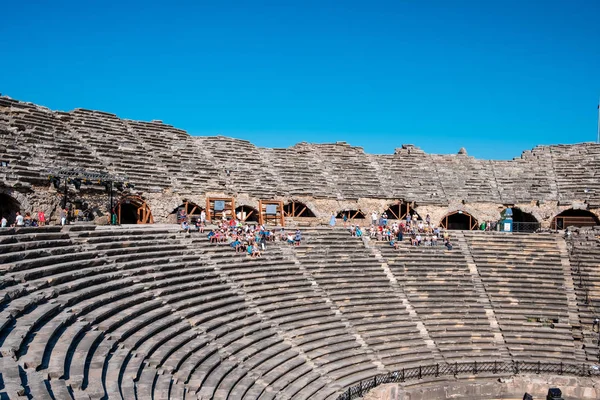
496	77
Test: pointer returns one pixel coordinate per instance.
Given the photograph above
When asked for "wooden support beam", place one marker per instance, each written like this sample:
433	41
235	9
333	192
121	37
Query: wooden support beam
301	211
208	213
392	211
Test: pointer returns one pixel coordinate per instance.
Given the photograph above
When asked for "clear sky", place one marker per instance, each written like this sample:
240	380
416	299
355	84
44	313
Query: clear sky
496	77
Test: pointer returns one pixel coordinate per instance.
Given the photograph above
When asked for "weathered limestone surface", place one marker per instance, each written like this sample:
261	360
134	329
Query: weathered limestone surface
168	165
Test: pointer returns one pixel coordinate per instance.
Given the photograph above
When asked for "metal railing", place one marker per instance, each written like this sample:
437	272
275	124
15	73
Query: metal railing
470	368
526	226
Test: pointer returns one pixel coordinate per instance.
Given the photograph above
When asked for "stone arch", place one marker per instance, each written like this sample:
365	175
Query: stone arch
297	209
351	214
523	221
192	211
520	215
133	210
246	213
459	220
9	207
400	210
573	217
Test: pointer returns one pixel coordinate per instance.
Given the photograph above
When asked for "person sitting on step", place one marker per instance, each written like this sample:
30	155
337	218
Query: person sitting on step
185	227
255	251
358	231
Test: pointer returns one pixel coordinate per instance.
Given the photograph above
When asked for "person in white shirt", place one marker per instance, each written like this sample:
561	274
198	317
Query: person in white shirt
19	219
4	222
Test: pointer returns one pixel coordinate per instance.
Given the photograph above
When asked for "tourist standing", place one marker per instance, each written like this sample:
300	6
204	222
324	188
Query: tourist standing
332	220
19	219
4	222
41	218
63	216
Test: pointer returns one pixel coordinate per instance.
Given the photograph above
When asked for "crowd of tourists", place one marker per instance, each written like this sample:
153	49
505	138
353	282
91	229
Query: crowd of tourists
421	233
24	220
245	238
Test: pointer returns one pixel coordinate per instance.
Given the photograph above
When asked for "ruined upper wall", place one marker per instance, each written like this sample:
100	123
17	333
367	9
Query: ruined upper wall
158	157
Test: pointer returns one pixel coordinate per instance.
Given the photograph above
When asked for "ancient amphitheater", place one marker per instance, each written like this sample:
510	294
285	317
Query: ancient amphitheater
143	311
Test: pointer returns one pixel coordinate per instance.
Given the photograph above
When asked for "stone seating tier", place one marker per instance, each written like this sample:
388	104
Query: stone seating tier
584	256
154	313
158	157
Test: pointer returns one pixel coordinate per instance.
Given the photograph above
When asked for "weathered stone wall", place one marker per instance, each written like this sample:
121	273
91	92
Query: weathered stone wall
167	166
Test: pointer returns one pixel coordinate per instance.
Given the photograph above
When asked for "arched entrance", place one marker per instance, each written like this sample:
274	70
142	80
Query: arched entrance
191	210
399	211
459	221
577	218
133	210
246	214
297	209
523	221
8	207
351	214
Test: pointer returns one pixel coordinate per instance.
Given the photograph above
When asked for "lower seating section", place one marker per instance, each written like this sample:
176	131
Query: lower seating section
525	281
151	313
357	285
585	263
285	297
439	285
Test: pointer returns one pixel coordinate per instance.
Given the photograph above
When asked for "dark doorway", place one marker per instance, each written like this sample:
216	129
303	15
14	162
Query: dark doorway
521	216
576	218
400	211
129	214
523	221
297	209
246	214
8	207
190	210
351	214
459	221
133	210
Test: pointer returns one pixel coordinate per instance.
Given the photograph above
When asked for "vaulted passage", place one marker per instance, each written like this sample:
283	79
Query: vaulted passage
191	210
351	214
133	210
297	209
246	214
400	211
577	218
459	220
8	207
524	221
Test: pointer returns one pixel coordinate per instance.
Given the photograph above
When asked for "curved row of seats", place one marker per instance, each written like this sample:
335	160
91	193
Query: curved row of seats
584	257
525	280
440	287
150	313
